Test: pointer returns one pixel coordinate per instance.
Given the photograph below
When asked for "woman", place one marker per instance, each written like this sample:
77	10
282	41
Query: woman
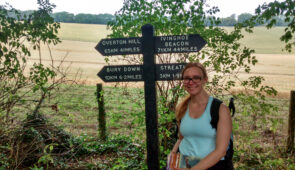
201	145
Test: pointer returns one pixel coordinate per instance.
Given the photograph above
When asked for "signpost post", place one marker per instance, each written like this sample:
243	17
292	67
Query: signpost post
149	72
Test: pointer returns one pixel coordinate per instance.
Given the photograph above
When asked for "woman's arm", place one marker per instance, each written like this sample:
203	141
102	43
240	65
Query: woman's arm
175	148
224	131
176	145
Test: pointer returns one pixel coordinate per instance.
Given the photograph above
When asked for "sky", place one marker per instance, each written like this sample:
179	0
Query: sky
227	7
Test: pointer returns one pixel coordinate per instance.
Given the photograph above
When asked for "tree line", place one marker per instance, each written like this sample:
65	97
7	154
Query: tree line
67	17
72	18
231	20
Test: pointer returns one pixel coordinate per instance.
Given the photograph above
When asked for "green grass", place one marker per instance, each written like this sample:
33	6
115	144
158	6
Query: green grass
125	116
258	148
78	110
263	41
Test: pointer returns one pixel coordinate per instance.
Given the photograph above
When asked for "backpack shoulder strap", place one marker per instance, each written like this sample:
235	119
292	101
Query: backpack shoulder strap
214	111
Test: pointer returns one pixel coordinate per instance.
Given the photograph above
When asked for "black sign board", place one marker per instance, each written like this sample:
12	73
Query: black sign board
149	72
179	43
163	44
128	73
169	71
121	73
119	46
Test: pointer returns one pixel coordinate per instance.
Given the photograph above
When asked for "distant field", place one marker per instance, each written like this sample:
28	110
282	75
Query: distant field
83	32
263	41
79	40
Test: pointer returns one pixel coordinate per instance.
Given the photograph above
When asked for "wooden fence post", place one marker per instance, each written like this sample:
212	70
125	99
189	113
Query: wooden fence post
101	113
291	127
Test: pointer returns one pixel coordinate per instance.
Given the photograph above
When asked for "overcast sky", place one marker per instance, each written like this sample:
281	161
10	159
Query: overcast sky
227	7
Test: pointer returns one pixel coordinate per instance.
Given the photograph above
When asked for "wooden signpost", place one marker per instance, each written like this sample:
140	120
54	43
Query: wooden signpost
149	72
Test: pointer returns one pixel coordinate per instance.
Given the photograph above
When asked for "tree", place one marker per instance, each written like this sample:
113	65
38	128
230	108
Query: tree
280	21
269	14
223	56
243	17
229	21
104	18
18	80
93	19
63	17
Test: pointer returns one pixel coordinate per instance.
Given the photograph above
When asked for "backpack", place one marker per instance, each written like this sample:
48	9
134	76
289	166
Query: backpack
214	120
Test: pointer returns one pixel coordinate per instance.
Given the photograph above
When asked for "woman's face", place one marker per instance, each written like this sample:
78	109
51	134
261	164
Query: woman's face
193	80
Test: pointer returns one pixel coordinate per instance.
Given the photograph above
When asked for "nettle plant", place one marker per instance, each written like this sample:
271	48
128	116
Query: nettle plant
223	56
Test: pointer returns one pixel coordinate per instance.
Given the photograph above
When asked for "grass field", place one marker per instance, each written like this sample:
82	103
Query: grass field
263	41
83	32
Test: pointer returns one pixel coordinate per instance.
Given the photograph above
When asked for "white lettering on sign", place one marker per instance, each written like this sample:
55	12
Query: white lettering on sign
113	42
130	49
185	49
111	77
121	42
177	76
170	76
176	44
164	76
164	50
132	69
111	50
174	38
134	41
177	49
171	67
113	69
133	77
